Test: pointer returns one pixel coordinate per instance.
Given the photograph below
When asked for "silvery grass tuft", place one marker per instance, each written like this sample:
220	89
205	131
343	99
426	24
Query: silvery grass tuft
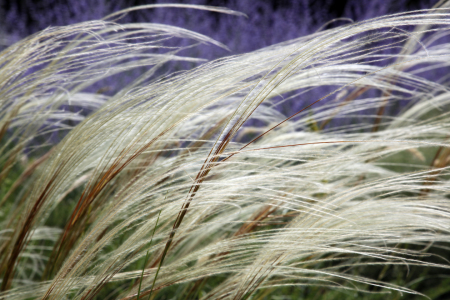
195	186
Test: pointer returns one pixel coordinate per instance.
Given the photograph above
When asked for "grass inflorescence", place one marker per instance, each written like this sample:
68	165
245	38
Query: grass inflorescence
194	184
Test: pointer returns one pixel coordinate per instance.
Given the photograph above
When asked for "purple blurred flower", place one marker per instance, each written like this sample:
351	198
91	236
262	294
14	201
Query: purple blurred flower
268	23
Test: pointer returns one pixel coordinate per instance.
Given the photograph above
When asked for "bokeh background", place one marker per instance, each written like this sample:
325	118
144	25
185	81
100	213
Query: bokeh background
268	22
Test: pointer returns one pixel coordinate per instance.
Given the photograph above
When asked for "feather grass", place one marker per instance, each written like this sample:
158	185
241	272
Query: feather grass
315	198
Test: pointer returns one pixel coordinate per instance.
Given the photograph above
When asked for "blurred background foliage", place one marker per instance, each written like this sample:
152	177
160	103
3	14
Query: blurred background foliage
268	22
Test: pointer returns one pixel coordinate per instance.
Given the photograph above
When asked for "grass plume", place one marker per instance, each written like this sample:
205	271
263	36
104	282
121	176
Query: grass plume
345	195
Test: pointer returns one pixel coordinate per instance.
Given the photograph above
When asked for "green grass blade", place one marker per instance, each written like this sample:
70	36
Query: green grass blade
146	257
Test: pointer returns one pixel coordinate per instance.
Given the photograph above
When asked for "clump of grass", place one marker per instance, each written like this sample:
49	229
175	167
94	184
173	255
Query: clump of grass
174	174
